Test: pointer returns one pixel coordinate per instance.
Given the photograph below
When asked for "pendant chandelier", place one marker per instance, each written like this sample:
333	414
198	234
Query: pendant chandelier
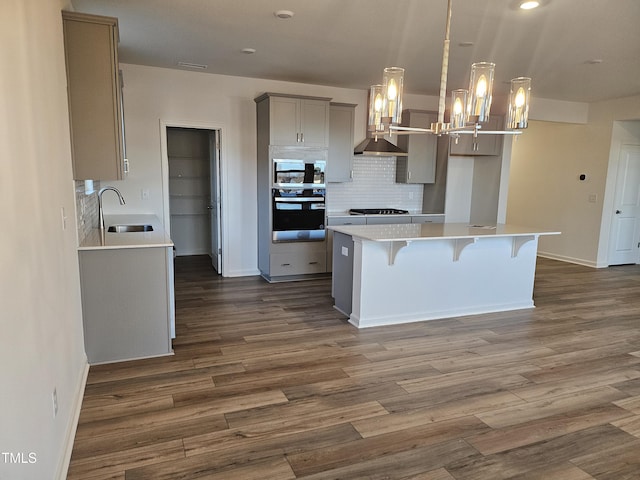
468	108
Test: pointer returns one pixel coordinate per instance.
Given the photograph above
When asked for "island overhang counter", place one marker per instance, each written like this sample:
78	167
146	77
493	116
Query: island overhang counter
400	273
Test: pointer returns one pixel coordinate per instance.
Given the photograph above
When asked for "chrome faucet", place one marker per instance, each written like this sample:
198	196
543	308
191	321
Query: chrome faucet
100	214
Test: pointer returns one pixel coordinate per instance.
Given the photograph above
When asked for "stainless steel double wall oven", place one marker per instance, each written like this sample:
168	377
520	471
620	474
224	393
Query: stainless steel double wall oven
298	194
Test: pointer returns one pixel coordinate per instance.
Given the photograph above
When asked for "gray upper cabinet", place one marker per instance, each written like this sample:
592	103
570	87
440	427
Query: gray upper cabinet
420	164
95	102
297	121
341	126
483	145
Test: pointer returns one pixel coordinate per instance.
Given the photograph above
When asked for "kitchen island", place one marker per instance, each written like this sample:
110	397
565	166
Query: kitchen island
399	273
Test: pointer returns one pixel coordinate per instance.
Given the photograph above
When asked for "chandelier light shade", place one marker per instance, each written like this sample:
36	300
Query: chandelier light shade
392	82
519	96
376	102
480	88
457	118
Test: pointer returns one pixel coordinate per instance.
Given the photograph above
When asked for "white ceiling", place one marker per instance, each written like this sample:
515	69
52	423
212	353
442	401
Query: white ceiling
347	43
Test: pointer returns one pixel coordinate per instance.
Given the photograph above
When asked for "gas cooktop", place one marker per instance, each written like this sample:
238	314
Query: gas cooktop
377	211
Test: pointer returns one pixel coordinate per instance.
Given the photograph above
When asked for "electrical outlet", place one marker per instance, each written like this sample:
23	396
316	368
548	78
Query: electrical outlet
144	194
593	198
54	398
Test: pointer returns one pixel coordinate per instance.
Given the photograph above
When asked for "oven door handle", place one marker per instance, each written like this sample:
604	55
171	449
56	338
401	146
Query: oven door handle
312	206
299	199
299	186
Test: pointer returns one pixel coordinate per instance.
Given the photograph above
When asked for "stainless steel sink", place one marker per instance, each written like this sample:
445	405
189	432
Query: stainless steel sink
129	228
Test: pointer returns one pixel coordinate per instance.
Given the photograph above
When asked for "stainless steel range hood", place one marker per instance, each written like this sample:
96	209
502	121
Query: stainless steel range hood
378	147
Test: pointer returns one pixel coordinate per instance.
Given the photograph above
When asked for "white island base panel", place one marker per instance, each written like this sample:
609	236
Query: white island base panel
416	276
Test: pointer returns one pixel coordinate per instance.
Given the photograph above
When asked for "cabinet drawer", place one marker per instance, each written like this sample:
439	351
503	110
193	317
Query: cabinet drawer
352	220
388	219
428	219
297	263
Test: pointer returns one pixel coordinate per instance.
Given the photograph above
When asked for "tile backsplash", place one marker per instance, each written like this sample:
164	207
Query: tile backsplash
86	208
373	186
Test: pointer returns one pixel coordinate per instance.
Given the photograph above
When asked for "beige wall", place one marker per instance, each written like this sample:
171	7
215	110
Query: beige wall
544	188
40	316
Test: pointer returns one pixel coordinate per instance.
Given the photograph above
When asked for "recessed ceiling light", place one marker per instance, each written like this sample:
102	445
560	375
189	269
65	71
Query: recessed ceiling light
197	66
529	4
284	14
465	44
248	51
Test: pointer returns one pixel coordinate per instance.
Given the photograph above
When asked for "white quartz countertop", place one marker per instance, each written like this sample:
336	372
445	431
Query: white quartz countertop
435	231
97	240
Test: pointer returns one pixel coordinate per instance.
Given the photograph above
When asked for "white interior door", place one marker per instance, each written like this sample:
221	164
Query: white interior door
625	229
214	203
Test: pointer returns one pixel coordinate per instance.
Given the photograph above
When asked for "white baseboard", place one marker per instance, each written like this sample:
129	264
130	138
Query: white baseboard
73	423
242	273
426	316
563	258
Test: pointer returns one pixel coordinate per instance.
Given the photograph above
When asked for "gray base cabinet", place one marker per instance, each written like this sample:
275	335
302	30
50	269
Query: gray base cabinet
127	303
388	219
342	285
297	263
340	220
295	260
427	219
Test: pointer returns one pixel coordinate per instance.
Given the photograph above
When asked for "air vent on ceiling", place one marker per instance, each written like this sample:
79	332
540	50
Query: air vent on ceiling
196	66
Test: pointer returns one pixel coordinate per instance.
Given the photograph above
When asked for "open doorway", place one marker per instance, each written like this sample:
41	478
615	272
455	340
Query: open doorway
194	209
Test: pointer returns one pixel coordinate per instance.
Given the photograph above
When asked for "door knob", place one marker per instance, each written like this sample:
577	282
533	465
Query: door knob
618	212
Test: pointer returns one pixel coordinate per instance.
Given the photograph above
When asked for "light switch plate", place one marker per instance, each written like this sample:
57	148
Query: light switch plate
345	251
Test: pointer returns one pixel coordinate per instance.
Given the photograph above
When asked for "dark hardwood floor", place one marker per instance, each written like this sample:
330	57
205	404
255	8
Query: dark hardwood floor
268	381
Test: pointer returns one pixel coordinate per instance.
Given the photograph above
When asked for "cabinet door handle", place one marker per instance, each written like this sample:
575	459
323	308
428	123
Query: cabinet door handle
285	264
313	263
302	137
